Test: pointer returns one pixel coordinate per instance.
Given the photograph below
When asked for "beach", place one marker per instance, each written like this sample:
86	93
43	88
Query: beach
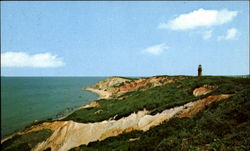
102	93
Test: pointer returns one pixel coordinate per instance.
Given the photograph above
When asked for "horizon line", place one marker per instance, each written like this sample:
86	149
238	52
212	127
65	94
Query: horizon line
120	75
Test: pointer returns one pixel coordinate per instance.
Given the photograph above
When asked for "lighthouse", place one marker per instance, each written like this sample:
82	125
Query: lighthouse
199	71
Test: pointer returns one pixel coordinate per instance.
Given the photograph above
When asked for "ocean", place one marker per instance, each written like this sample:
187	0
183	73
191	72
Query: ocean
26	99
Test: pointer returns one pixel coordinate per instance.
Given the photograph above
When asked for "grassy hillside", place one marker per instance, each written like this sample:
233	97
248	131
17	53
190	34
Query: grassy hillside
157	99
25	142
222	125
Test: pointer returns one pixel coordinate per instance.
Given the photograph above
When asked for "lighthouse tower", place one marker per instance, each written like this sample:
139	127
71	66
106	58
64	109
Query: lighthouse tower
199	71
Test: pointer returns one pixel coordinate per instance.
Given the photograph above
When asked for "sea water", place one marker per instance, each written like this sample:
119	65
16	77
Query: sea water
26	99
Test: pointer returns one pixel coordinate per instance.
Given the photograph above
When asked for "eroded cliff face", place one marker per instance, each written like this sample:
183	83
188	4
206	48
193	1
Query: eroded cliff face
145	83
205	89
108	88
71	134
114	87
46	125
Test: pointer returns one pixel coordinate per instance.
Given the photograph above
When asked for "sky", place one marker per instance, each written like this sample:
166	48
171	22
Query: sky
124	38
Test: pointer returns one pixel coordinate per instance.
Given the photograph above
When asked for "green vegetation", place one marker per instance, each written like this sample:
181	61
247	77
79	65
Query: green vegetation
121	84
25	142
224	125
129	78
156	99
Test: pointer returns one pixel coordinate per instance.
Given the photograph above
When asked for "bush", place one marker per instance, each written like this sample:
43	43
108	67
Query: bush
223	125
25	142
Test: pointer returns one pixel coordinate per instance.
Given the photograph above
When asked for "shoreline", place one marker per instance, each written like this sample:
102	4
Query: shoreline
101	95
8	137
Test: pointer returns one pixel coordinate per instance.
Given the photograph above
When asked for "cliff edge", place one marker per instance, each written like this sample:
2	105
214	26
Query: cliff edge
171	112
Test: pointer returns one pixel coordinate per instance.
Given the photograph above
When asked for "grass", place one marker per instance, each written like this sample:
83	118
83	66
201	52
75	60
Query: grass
25	142
223	125
129	78
155	99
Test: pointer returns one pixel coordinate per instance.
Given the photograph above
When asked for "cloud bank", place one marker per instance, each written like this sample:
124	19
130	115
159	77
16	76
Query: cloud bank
22	59
199	18
156	49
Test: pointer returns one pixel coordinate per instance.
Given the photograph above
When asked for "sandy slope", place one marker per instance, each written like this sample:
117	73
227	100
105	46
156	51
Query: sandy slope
102	93
71	134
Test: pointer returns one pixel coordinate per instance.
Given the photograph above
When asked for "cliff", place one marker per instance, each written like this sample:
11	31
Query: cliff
114	87
171	112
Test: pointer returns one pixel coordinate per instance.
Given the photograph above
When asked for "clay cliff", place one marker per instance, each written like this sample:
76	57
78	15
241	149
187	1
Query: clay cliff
69	134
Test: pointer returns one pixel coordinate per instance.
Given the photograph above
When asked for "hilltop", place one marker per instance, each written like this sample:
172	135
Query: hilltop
153	113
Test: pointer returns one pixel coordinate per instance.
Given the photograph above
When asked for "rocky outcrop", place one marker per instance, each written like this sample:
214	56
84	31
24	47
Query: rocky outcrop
71	134
205	89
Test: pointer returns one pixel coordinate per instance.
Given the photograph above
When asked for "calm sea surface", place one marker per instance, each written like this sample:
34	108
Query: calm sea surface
25	99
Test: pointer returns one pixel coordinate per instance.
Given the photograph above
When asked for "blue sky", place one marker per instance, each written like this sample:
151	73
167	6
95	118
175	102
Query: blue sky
124	38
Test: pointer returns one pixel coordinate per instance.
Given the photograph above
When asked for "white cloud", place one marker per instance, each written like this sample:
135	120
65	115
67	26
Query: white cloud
231	34
207	34
199	18
22	59
156	49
